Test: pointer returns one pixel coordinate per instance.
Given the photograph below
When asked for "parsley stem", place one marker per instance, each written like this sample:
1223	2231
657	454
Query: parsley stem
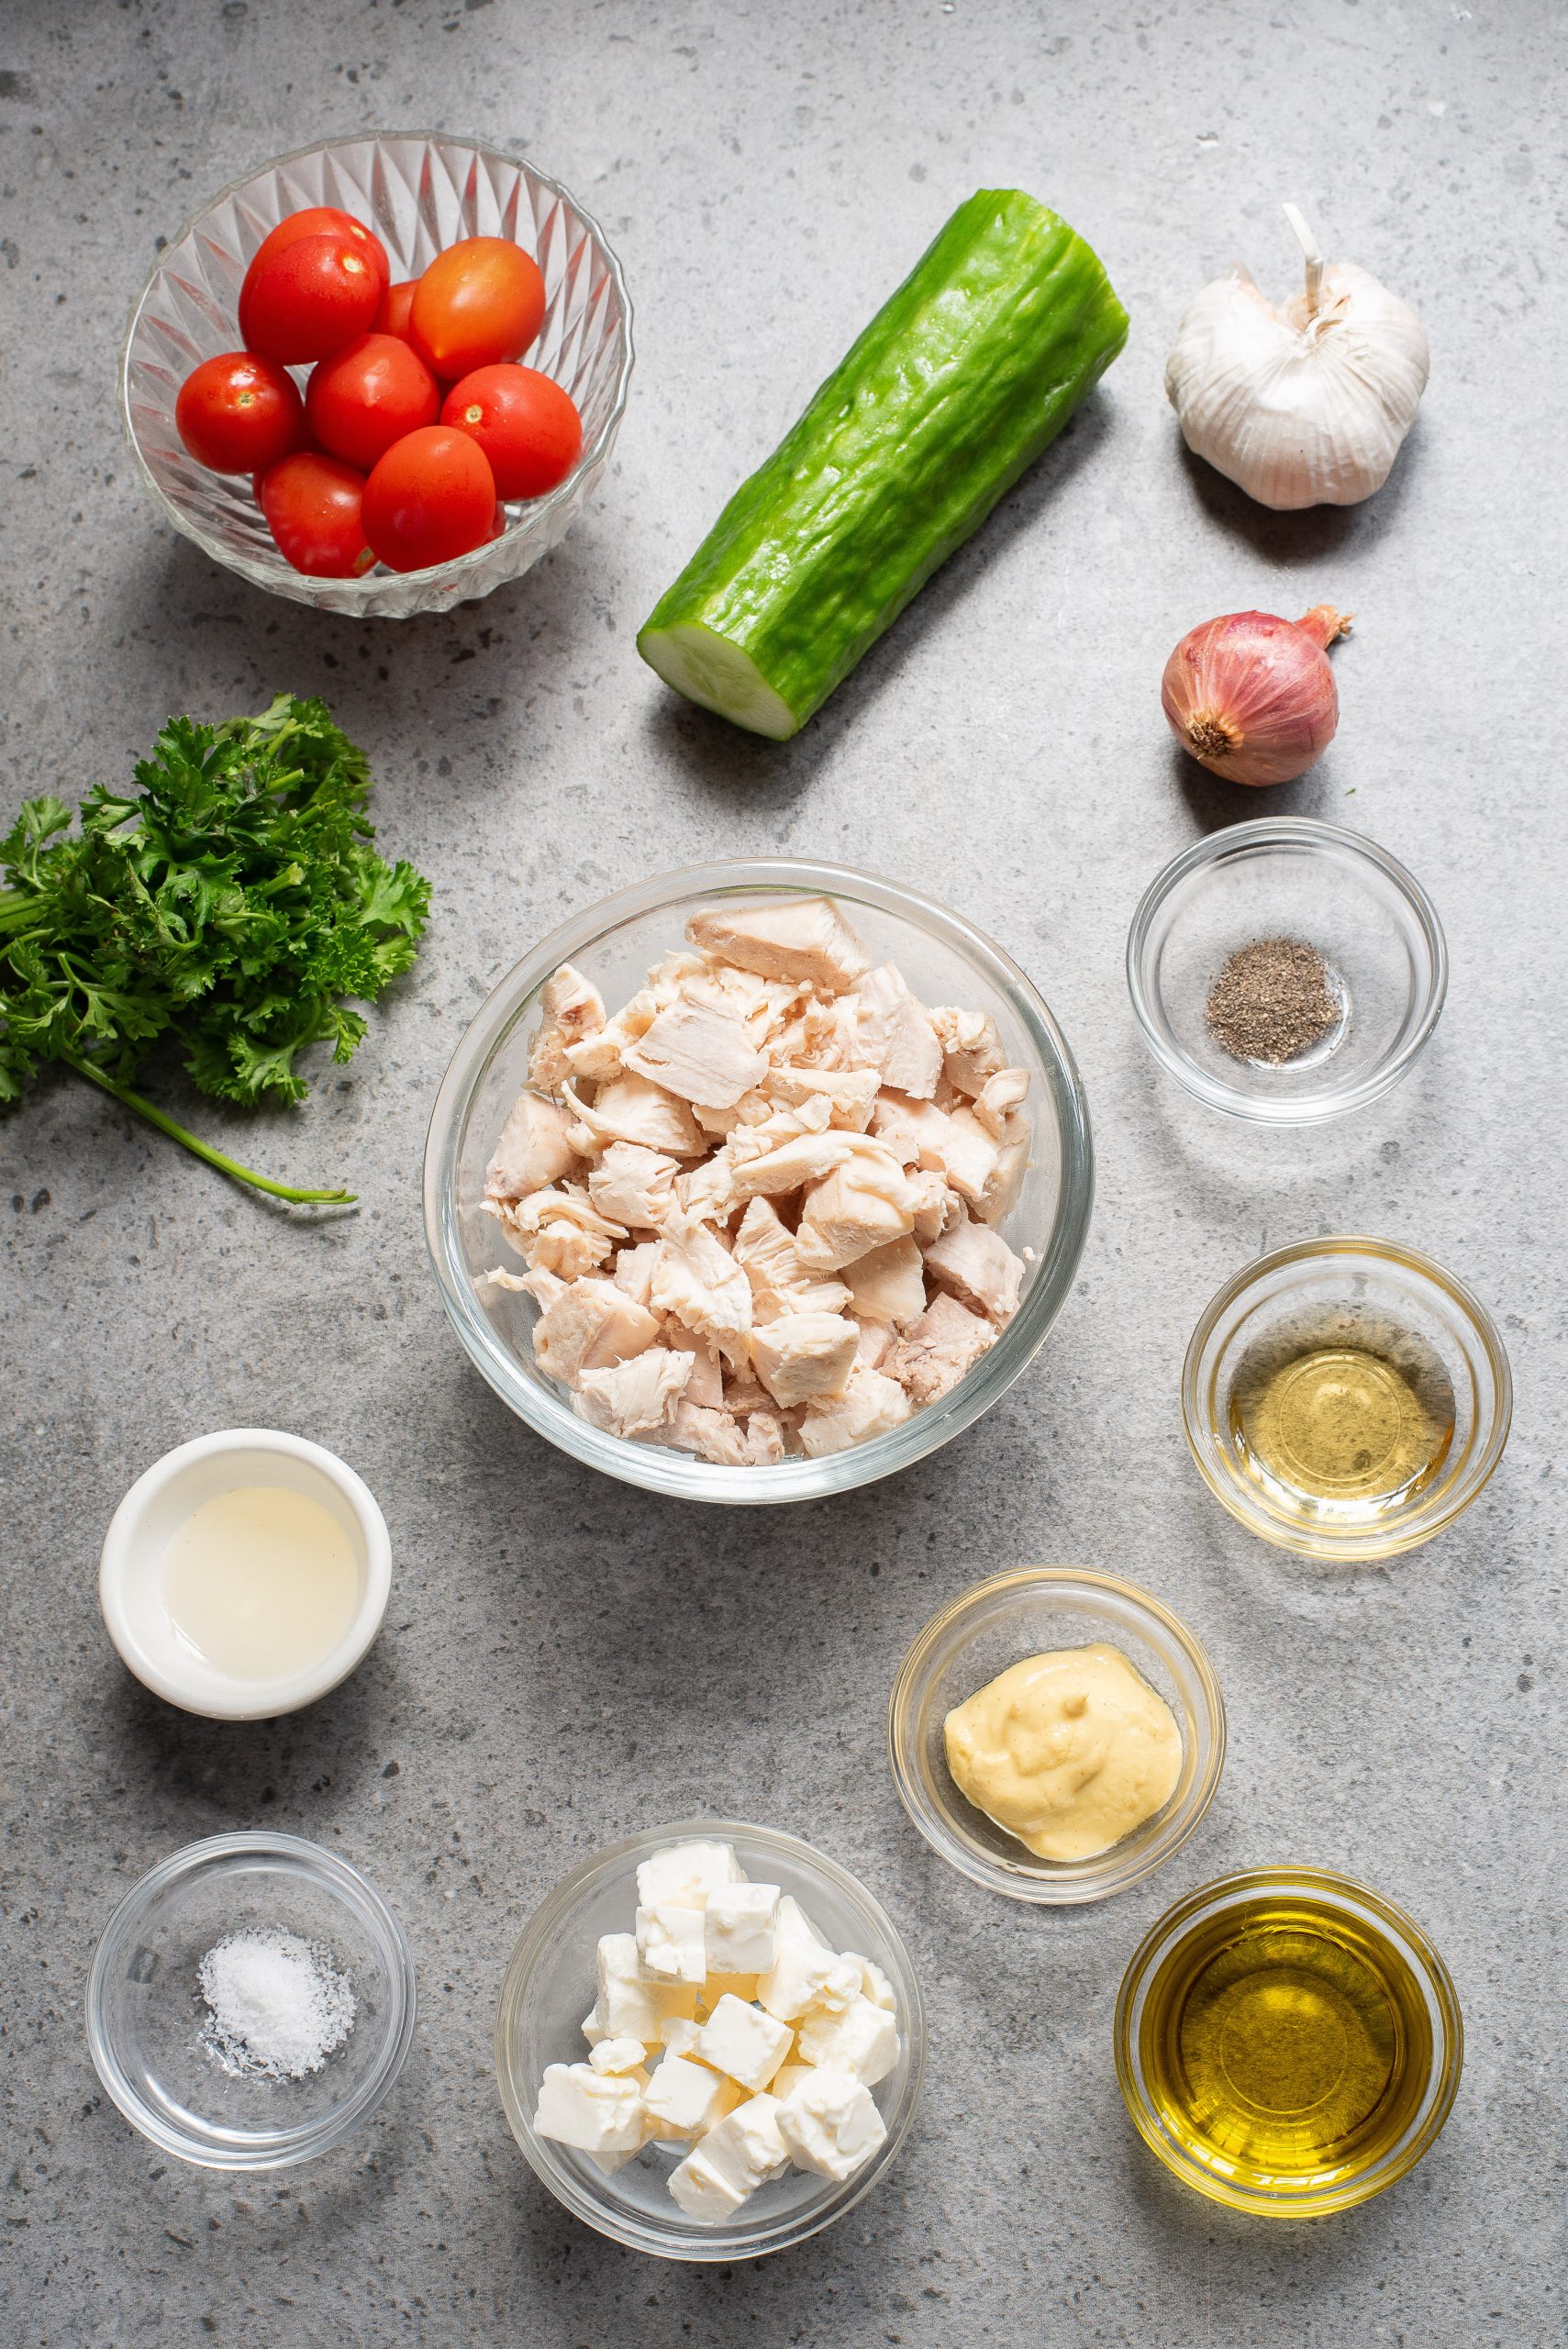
229	1166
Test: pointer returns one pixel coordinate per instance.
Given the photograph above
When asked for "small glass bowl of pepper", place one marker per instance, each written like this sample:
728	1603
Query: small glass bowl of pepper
1286	970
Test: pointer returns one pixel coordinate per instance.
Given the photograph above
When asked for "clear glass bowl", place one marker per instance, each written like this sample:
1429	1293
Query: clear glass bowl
1031	1610
550	1986
145	2009
1289	877
421	191
945	960
1366	1294
1370	1918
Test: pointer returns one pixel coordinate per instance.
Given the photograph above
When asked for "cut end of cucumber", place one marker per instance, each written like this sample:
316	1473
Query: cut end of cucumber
709	669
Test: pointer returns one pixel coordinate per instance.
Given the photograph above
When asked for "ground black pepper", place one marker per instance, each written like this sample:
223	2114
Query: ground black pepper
1272	1000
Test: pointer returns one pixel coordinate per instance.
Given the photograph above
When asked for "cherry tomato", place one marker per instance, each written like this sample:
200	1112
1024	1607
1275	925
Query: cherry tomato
363	399
526	426
312	506
395	304
311	299
479	301
430	497
315	220
238	413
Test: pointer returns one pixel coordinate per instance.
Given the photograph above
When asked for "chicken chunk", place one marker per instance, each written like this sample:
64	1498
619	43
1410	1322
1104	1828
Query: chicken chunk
863	1204
697	1282
636	1398
704	1388
631	1109
998	1097
1000	1195
765	1249
571	1007
870	1405
765	1444
849	1093
712	1435
634	1270
799	939
634	1185
936	1207
952	1143
895	1034
976	1265
591	1325
700	1052
802	1355
543	1286
888	1283
971	1050
533	1151
806	1159
935	1350
560	1231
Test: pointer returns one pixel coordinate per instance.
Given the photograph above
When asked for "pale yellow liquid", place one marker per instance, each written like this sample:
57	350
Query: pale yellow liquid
260	1583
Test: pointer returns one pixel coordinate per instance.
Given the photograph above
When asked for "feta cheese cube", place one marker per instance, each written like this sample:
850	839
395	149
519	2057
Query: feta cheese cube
875	1984
703	2192
741	1922
597	2112
746	2147
685	2098
679	2034
830	2123
860	2038
745	2041
592	2030
805	1970
671	1943
618	2055
686	1873
627	2006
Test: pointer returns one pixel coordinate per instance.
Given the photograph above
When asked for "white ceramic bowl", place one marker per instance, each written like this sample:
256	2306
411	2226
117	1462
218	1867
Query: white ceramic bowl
130	1573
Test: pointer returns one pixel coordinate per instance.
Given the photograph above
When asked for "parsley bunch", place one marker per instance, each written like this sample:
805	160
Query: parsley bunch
231	905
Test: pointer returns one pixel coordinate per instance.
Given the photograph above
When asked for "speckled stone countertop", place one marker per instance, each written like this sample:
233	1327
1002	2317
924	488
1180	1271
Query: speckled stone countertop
566	1659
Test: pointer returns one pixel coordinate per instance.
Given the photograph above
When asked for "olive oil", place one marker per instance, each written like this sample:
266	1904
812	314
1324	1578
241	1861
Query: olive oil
1283	2041
1342	1424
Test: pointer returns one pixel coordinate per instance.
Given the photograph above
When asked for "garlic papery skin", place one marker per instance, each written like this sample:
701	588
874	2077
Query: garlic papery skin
1301	406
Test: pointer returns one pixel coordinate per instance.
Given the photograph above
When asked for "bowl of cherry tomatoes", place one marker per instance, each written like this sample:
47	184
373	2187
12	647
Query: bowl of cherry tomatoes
382	375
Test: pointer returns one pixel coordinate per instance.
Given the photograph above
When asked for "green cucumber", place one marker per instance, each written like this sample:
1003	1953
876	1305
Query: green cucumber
960	381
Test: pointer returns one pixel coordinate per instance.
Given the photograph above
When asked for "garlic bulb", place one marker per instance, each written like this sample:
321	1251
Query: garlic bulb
1305	406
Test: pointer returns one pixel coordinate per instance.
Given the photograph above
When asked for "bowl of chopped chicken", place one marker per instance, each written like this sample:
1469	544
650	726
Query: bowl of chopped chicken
757	1182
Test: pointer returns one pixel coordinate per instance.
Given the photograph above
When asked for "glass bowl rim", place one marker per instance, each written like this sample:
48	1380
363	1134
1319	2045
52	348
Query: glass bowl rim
1080	1881
542	1927
1417	1528
1313	835
658	1468
1352	1897
365	589
283	2148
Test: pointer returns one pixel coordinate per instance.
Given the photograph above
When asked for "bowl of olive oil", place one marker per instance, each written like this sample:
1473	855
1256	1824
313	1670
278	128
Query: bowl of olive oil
1288	2042
1346	1398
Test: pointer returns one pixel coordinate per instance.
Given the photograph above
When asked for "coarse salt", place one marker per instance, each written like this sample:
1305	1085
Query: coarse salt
279	2005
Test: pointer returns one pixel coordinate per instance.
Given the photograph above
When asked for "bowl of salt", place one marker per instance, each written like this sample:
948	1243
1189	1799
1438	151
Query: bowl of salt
250	2003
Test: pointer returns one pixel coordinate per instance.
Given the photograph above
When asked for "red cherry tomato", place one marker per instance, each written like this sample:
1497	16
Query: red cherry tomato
315	220
311	299
479	301
312	506
395	304
431	496
238	413
363	399
526	426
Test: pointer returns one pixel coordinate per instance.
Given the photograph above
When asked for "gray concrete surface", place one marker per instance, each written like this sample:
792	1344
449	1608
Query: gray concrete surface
565	1659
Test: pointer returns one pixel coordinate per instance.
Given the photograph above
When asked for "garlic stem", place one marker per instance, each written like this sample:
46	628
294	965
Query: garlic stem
1311	253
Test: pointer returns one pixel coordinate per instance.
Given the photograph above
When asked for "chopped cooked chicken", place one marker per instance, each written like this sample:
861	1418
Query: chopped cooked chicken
870	1405
978	1267
862	1204
631	1109
802	1355
934	1354
802	938
700	1052
591	1325
572	1008
759	1204
765	1249
533	1149
633	1185
888	1283
636	1398
896	1035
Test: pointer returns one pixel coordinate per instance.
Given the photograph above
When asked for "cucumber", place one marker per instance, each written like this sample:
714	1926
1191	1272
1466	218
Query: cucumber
960	381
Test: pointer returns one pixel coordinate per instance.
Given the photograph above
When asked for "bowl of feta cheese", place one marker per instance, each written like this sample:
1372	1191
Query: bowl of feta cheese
709	2042
758	1182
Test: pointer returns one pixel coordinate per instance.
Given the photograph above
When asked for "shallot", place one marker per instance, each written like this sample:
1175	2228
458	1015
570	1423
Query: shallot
1251	697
